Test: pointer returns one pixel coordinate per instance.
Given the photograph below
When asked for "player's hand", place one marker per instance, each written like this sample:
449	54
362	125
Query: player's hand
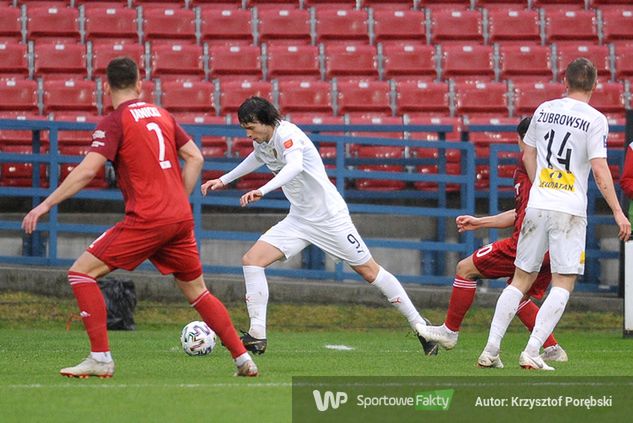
251	197
466	223
29	223
624	225
214	184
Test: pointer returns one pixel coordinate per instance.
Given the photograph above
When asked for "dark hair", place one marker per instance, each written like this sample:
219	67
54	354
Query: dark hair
523	126
122	73
257	109
581	75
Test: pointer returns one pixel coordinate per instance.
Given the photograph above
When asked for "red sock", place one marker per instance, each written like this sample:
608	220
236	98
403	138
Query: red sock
461	299
217	317
92	308
527	313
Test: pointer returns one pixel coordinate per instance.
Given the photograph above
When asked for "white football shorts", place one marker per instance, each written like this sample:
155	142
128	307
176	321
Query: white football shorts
562	233
337	237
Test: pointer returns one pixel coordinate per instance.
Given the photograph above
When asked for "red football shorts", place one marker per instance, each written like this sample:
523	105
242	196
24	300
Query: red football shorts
171	248
496	260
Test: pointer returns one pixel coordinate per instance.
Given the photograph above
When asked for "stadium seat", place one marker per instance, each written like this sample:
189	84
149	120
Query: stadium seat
305	96
424	119
112	24
467	62
216	4
55	23
570	25
177	61
494	136
18	137
341	25
104	52
233	93
100	4
558	5
363	97
60	60
287	24
235	62
226	25
384	153
13	59
188	96
148	94
481	98
375	119
75	138
513	25
98	182
407	60
599	55
10	23
329	4
70	95
293	61
176	25
422	97
456	26
608	98
616	139
18	95
624	62
241	148
529	95
525	62
502	4
350	60
617	24
273	4
400	24
445	4
20	174
214	142
159	4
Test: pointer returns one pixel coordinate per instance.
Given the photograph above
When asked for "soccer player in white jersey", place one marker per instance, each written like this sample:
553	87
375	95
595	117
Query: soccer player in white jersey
565	140
318	215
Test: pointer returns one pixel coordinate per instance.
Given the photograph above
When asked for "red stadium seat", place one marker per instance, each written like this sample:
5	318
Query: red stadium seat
56	23
342	25
188	96
177	61
10	23
235	62
60	60
100	4
609	98
599	56
75	138
98	182
241	148
363	97
405	60
13	59
400	24
525	62
213	142
20	174
468	62
216	4
169	24
624	62
513	25
329	4
103	53
148	94
18	137
373	119
558	5
491	5
293	61
456	25
351	60
385	153
284	23
18	95
159	4
233	93
422	97
445	4
424	119
481	98
114	24
70	95
226	25
529	95
570	25
272	4
305	96
484	139
617	24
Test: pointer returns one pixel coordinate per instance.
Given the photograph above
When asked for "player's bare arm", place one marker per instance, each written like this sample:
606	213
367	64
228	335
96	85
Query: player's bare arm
213	184
602	175
76	180
529	160
194	161
498	221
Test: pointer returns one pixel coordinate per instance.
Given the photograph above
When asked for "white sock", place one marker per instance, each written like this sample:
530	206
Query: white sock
507	306
395	293
239	360
103	357
547	318
256	299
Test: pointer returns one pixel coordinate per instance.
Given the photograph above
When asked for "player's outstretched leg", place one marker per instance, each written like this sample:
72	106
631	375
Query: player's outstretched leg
552	351
256	303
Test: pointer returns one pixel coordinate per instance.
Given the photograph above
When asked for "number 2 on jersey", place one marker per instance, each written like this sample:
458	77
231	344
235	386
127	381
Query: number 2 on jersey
164	164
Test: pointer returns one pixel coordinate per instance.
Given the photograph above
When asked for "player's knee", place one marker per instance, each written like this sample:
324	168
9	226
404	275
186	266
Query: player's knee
249	259
466	269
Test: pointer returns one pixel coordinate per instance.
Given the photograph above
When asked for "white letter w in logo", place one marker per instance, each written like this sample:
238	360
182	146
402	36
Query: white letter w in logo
329	399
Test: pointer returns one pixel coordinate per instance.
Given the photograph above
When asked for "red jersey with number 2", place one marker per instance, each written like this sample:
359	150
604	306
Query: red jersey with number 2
142	141
522	185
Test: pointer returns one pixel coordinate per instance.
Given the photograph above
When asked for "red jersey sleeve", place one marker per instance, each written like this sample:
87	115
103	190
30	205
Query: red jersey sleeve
181	137
107	137
522	186
626	180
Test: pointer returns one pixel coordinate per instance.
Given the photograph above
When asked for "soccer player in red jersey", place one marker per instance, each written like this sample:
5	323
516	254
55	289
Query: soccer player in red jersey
144	144
494	261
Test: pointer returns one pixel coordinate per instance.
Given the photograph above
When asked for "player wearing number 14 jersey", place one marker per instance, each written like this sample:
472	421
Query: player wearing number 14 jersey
144	144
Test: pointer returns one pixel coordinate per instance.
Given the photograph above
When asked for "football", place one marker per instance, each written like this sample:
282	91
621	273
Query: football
197	338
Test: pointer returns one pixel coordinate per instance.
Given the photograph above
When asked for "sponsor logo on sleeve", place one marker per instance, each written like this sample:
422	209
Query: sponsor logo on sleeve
288	143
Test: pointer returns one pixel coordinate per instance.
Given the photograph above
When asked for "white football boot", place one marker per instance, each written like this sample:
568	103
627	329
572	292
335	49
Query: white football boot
89	367
442	335
533	363
554	353
487	360
248	369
